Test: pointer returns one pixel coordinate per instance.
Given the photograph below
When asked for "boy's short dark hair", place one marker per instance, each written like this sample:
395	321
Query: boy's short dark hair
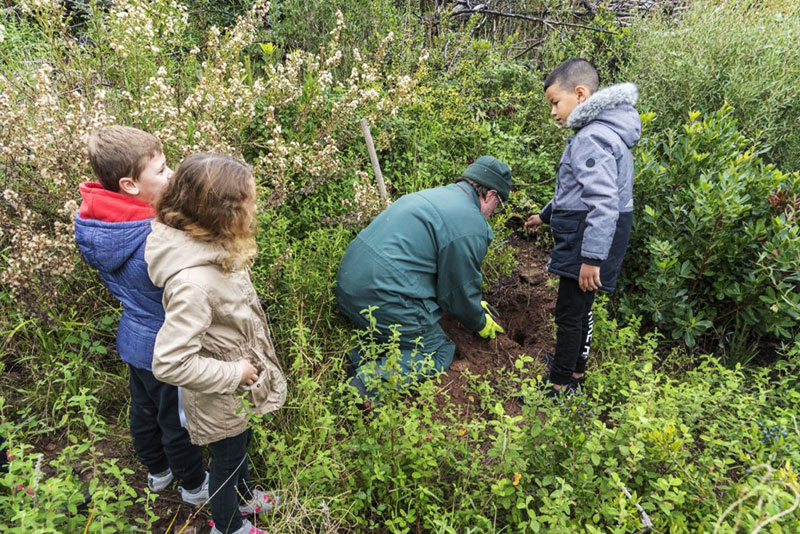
572	73
119	151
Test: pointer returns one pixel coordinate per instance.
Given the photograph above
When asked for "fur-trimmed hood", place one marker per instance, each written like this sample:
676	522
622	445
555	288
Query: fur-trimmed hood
612	106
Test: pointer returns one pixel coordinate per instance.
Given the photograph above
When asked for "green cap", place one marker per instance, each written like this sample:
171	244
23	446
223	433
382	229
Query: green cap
491	173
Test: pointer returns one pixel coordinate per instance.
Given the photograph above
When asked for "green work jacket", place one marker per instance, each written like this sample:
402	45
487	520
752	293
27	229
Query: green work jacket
419	258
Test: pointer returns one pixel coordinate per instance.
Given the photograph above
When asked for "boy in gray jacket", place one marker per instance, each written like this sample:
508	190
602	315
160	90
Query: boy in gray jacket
591	212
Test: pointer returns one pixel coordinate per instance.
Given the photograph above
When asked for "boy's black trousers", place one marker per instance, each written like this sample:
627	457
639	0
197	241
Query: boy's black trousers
158	437
574	326
3	456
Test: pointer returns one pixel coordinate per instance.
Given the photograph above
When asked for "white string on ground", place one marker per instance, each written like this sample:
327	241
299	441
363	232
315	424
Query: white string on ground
646	523
235	471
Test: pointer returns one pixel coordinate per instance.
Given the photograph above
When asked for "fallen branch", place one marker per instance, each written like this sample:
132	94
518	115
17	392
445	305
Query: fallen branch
529	48
624	11
546	22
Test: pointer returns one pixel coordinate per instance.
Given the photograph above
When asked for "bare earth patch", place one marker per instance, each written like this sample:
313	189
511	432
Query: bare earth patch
525	306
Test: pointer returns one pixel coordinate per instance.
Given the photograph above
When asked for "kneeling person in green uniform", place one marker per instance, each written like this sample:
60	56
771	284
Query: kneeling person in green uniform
419	258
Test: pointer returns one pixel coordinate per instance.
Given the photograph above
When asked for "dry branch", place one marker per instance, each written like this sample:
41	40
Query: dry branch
624	10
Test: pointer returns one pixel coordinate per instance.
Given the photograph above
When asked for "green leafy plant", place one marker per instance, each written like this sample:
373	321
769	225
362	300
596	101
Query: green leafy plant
716	248
719	52
76	489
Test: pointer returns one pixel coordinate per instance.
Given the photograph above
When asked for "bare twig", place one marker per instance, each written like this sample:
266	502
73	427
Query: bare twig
647	524
529	48
547	22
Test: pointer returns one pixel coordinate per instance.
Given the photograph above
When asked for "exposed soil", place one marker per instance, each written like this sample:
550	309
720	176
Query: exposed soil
525	306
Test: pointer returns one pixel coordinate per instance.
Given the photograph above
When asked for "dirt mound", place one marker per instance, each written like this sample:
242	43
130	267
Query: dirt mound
525	307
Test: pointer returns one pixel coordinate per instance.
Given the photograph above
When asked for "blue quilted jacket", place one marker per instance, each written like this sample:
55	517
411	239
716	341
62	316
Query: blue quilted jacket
111	235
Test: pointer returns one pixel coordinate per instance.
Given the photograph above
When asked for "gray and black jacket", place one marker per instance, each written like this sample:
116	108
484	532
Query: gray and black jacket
591	213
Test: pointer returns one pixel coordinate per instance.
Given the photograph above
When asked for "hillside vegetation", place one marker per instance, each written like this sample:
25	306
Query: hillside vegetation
690	417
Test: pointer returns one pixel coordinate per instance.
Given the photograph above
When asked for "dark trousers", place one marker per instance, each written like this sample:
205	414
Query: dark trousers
229	481
3	456
158	437
574	326
423	354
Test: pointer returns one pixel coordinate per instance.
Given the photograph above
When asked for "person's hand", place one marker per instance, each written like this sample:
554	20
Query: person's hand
533	223
589	279
491	329
249	373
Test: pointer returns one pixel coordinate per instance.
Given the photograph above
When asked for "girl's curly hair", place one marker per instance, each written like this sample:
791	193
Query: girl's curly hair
212	197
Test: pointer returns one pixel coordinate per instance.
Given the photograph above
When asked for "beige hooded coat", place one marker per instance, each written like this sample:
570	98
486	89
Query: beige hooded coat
212	320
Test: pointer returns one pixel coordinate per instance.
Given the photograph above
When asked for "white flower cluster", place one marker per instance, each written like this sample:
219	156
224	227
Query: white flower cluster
34	6
43	134
293	117
367	202
137	26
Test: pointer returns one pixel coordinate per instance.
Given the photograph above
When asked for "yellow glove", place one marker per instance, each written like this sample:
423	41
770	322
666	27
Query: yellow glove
488	309
491	329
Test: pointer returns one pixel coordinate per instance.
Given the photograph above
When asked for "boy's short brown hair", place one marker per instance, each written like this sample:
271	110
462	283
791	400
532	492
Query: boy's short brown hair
121	151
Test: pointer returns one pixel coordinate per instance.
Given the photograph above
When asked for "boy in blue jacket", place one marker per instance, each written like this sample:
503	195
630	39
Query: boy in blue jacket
591	213
111	229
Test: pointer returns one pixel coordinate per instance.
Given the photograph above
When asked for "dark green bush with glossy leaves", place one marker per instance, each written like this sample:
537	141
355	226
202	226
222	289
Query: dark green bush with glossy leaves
715	253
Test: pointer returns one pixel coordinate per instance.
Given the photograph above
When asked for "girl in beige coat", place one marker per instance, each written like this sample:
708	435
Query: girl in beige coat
215	343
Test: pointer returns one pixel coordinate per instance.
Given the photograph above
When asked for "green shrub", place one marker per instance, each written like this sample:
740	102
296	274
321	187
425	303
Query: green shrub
501	257
305	24
736	52
696	449
481	105
716	246
297	281
57	357
222	13
687	449
74	489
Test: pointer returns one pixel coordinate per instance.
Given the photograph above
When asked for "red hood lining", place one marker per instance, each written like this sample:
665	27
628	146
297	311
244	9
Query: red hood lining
103	205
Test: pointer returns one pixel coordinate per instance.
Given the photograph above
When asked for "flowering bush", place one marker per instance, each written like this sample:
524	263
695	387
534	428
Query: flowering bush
141	64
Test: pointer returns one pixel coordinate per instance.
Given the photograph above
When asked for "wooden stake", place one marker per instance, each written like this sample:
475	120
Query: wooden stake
373	157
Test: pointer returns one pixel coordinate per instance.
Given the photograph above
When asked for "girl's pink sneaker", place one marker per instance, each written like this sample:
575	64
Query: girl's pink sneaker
262	502
247	528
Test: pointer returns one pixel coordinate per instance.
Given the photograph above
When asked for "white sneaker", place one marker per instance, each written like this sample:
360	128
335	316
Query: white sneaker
262	502
247	528
159	482
197	496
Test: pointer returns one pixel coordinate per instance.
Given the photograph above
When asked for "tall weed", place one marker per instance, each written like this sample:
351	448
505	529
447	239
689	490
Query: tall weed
743	53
